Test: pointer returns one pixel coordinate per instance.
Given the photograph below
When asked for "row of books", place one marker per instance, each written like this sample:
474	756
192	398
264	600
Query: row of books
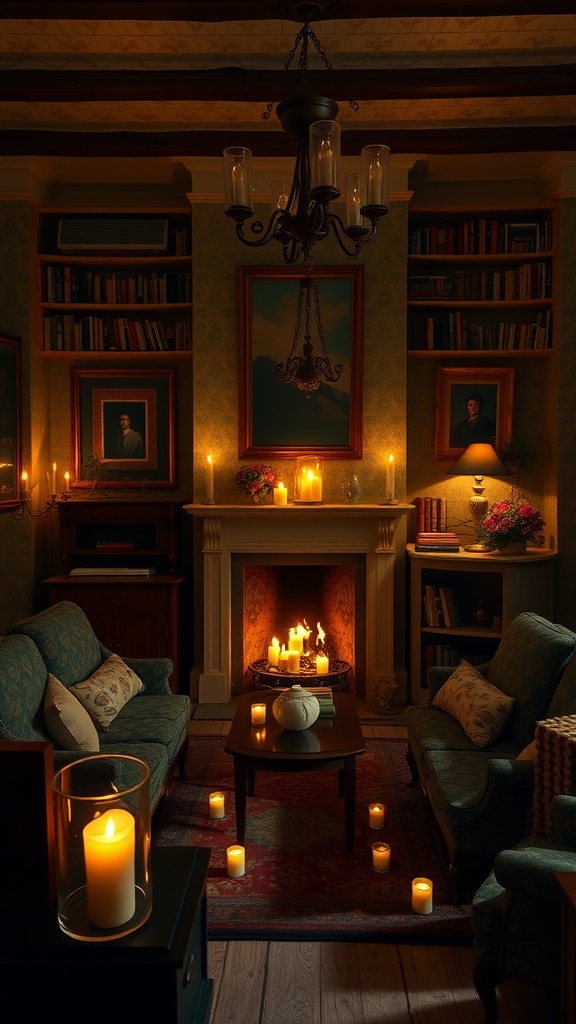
529	281
325	699
69	333
431	514
441	607
481	236
436	541
441	654
450	331
70	284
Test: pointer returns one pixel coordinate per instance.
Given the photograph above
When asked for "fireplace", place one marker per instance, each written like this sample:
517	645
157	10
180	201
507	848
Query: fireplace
359	536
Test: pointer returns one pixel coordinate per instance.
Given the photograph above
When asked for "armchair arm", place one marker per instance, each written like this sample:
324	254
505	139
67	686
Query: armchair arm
516	778
564	819
531	870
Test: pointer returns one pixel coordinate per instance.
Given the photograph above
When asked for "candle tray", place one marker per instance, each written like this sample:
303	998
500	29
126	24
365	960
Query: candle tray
263	677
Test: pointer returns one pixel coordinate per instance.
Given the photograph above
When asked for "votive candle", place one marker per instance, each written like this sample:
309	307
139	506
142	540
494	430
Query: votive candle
376	814
280	495
321	665
381	856
216	803
236	861
258	714
422	890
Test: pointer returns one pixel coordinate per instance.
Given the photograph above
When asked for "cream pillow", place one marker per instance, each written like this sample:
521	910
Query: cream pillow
106	692
481	708
67	723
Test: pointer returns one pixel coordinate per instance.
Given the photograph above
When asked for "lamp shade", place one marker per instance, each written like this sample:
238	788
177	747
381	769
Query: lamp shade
478	460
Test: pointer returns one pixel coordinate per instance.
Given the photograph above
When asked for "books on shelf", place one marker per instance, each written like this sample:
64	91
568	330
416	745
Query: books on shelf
125	570
446	542
441	608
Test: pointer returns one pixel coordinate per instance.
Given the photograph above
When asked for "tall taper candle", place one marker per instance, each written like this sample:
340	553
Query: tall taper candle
209	479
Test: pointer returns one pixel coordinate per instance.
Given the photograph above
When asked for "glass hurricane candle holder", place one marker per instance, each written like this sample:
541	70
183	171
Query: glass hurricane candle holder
308	480
103	847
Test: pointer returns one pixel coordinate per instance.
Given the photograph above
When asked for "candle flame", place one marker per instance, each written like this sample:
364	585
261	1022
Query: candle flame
275	642
110	827
300	630
321	635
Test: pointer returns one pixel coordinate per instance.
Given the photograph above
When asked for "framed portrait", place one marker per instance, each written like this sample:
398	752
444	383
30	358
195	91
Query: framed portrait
10	424
125	420
472	405
276	419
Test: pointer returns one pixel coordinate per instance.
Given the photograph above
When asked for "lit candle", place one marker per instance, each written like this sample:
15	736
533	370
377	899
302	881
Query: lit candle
274	652
280	495
109	845
216	804
236	860
295	641
422	896
321	665
316	488
24	479
283	660
390	475
306	485
376	813
209	479
381	856
293	661
258	714
66	481
54	467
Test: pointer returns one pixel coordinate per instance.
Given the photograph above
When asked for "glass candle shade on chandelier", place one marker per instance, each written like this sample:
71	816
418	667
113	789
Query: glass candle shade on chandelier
478	461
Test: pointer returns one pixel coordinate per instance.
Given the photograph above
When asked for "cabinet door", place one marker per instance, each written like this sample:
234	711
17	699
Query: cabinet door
142	633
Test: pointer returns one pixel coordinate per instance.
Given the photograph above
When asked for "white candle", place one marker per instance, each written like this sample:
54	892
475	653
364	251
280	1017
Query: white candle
390	478
381	856
422	896
209	479
258	714
66	481
216	805
274	652
283	660
293	661
236	861
321	665
280	495
295	641
238	185
54	467
316	488
109	846
376	814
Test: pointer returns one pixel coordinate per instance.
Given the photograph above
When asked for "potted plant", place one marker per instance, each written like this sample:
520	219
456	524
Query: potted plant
256	481
509	525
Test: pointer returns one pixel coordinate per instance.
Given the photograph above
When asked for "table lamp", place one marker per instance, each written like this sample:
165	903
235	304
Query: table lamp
478	460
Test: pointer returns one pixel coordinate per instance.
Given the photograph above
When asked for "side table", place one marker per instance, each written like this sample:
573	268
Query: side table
158	973
555	768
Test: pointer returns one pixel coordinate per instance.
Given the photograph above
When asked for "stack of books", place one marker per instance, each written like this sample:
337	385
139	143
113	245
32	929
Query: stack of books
437	541
325	699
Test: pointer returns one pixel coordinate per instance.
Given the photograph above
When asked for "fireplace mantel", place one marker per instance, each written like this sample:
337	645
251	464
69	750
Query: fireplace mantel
298	529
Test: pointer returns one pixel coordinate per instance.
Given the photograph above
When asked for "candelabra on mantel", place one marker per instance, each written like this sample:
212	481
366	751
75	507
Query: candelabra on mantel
24	508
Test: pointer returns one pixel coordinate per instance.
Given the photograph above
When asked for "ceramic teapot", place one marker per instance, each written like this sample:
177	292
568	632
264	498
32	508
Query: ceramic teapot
296	708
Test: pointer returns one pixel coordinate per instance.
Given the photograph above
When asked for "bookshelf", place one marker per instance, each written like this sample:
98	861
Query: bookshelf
114	284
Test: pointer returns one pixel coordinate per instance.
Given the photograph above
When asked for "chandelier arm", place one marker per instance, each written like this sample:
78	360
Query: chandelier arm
341	234
256	227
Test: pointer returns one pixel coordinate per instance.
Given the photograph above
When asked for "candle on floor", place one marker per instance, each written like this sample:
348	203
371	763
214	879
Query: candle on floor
109	848
274	652
422	896
258	714
216	801
381	856
280	495
293	661
376	814
321	665
236	861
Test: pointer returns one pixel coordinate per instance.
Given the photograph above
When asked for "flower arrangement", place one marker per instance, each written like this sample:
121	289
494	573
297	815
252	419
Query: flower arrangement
511	522
256	481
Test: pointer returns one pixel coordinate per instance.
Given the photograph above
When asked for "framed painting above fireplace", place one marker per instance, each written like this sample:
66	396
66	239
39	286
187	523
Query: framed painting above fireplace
276	419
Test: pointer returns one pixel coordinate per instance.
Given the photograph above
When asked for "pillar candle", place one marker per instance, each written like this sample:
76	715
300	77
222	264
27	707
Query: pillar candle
295	641
236	861
376	814
109	847
316	488
283	660
321	665
274	652
216	802
209	479
280	495
258	714
306	485
390	478
381	856
293	661
422	896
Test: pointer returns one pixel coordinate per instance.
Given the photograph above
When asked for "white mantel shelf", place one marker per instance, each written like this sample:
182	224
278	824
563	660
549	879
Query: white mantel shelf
367	529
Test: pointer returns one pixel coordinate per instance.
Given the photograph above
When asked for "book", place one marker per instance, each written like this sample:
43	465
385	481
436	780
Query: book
83	570
437	547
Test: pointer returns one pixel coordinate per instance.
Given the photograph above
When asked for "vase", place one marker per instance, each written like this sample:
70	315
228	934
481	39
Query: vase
517	547
296	709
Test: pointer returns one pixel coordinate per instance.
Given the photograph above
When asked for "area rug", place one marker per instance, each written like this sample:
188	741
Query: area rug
300	882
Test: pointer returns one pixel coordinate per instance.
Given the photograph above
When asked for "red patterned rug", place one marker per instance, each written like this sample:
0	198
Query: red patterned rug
300	882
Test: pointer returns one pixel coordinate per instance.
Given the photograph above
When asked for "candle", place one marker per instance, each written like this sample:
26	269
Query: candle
258	714
376	813
25	493
238	184
422	895
306	485
66	481
381	856
54	467
109	843
295	641
283	660
216	805
390	474
293	661
209	479
321	665
236	860
280	495
274	652
316	488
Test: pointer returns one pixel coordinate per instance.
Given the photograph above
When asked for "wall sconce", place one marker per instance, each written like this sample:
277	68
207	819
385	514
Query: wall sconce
478	460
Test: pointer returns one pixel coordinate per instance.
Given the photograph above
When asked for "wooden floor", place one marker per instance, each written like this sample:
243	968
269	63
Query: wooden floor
354	982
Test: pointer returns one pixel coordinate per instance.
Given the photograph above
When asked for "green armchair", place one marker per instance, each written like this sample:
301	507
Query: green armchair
517	913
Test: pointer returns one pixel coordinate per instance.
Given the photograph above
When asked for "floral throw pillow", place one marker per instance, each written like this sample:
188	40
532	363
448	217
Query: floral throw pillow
481	709
106	692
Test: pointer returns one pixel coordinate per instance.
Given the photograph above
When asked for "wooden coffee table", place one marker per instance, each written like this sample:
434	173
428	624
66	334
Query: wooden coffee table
331	744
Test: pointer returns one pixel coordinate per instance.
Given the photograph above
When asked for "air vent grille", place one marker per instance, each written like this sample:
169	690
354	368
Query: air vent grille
107	234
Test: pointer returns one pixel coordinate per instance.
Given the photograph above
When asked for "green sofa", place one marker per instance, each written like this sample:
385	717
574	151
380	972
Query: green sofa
480	797
152	725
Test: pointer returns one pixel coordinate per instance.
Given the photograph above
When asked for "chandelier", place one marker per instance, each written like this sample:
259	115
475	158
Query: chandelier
300	211
306	370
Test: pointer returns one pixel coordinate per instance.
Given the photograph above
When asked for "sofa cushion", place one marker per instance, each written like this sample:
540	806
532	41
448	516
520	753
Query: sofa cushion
66	641
527	665
150	719
107	690
68	724
481	708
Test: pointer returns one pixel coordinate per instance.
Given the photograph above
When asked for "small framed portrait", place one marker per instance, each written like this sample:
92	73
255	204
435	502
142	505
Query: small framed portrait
125	421
472	405
10	435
